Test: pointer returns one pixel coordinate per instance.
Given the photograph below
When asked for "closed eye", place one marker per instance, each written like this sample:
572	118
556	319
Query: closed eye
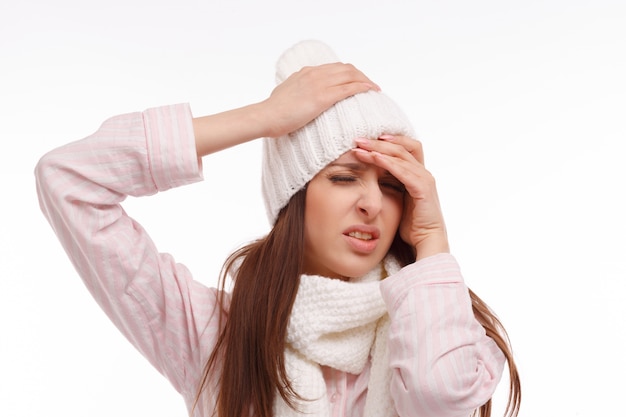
393	185
342	178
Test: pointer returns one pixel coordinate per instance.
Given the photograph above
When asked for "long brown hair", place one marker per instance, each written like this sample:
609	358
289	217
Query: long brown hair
249	355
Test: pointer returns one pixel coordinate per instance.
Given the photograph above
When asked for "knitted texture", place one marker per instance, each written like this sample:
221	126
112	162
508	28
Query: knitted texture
291	161
341	325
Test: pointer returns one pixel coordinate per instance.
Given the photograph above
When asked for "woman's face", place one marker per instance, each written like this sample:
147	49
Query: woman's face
352	213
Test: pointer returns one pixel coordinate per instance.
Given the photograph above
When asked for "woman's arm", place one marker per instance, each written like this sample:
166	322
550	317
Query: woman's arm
299	99
443	363
170	318
151	299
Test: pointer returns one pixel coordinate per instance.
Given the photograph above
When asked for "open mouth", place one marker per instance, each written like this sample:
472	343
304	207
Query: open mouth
363	239
361	235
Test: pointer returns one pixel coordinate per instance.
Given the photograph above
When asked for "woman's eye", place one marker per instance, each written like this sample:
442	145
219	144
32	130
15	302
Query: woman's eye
342	178
393	185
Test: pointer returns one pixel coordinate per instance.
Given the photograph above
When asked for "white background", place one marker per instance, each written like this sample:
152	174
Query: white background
521	109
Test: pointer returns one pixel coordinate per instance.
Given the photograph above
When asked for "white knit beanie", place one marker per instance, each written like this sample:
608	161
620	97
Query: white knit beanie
291	161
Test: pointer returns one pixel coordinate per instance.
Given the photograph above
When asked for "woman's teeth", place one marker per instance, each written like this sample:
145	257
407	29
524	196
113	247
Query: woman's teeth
361	235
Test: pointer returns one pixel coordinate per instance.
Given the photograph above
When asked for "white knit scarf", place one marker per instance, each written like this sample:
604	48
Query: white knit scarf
341	325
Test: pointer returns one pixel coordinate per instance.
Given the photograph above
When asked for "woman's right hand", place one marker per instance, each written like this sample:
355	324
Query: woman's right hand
295	102
307	93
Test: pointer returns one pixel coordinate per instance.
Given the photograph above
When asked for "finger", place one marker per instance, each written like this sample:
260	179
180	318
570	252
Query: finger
335	82
411	173
343	91
343	79
414	147
397	146
342	73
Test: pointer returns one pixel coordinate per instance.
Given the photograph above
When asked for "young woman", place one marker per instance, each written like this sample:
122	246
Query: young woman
350	306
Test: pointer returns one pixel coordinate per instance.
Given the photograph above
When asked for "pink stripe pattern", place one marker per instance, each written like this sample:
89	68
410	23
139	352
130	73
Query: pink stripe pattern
443	363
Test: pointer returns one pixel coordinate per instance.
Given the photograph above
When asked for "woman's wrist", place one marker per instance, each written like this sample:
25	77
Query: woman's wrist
233	127
432	245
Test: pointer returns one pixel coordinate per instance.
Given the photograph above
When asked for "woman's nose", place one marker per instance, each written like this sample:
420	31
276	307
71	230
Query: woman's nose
371	199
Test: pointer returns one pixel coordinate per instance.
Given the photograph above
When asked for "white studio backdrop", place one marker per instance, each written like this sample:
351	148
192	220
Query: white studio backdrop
520	106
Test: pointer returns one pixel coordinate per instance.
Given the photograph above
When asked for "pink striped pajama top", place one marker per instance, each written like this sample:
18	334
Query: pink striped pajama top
172	319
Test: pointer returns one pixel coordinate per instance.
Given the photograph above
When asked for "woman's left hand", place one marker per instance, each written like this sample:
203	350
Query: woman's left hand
422	225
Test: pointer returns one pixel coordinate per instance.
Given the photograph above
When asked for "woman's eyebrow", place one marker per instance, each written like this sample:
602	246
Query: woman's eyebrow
356	166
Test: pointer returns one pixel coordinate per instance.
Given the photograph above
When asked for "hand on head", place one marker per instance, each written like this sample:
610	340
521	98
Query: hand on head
308	92
422	225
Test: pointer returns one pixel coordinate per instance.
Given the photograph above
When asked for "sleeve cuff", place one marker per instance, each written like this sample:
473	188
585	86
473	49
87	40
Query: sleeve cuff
440	269
170	142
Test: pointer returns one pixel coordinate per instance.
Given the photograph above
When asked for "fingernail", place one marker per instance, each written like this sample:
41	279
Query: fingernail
361	151
387	137
361	141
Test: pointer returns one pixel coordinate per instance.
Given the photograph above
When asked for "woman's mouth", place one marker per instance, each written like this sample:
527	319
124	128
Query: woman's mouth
362	238
361	235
